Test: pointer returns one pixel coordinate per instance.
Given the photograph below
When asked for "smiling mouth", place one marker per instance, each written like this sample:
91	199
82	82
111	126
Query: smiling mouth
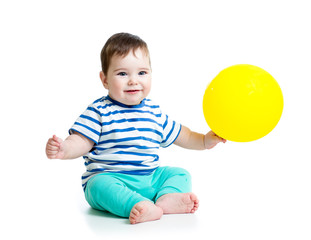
131	91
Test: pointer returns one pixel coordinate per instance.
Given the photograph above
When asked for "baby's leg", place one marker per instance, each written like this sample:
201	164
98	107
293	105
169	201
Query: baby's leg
109	192
175	194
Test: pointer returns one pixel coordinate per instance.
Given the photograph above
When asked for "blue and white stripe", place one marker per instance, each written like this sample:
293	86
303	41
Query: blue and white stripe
127	138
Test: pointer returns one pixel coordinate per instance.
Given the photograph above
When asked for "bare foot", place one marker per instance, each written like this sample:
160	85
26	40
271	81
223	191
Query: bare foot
145	211
178	203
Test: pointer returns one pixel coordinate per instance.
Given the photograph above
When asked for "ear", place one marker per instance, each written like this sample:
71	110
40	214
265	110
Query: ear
103	78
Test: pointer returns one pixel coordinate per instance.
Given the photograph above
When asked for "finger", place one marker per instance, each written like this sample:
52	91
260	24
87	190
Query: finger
52	142
218	139
53	147
221	139
51	154
57	139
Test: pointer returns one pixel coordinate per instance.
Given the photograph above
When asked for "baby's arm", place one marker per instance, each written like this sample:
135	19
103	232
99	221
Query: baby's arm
74	146
197	141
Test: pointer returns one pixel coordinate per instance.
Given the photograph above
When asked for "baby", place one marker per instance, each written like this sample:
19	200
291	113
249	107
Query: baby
119	136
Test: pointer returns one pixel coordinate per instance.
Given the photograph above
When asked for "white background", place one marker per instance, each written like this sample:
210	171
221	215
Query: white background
49	58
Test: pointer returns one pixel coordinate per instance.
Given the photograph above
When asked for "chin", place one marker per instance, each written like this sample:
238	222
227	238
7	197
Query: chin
133	101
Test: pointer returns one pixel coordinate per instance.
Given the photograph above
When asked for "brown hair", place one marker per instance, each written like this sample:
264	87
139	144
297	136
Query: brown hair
120	44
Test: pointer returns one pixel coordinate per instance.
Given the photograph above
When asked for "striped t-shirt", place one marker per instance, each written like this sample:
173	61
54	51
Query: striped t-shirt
127	138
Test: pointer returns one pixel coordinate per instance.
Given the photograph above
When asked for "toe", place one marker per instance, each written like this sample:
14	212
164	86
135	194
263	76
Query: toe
135	212
132	219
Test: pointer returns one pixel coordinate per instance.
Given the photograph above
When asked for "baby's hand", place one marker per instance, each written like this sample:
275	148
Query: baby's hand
211	140
54	148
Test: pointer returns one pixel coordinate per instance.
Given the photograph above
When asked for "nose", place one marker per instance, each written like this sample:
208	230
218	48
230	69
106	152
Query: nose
132	81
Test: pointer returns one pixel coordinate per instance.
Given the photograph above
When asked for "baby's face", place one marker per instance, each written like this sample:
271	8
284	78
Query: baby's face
128	78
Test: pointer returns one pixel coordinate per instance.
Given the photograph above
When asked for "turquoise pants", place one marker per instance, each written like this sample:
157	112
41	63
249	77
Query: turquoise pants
118	193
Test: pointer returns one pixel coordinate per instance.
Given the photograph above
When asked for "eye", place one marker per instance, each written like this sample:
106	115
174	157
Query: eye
122	74
141	73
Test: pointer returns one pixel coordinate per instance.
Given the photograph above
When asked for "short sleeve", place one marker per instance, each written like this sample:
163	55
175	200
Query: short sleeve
88	124
171	130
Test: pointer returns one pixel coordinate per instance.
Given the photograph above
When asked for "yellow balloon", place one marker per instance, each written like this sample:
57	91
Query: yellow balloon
243	103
